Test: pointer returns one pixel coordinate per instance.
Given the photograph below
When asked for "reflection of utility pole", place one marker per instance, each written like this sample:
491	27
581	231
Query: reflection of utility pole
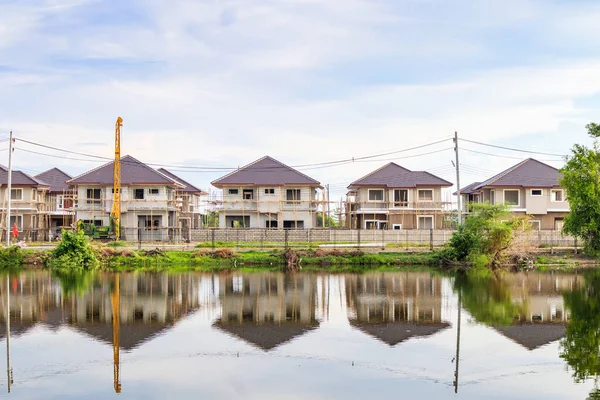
457	343
8	369
116	309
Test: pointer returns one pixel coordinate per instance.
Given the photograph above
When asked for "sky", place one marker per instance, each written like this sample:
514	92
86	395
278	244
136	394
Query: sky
221	83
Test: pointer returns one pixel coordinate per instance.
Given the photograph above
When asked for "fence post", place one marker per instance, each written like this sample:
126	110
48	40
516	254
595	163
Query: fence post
551	242
383	239
575	244
212	234
431	239
308	236
286	234
358	236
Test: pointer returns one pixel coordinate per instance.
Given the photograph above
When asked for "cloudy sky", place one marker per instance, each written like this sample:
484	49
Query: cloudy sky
220	83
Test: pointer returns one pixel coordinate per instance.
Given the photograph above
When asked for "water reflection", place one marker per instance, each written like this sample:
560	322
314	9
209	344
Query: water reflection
267	310
395	307
268	313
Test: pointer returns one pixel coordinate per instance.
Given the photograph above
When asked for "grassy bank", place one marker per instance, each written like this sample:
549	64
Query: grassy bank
116	259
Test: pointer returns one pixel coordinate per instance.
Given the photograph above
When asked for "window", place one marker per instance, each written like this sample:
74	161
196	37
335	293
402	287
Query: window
138	194
401	198
153	192
537	192
33	194
271	224
16	219
248	194
397	227
511	197
536	225
425	222
16	194
492	197
270	191
292	195
375	194
233	191
152	223
293	224
425	194
557	195
93	196
59	202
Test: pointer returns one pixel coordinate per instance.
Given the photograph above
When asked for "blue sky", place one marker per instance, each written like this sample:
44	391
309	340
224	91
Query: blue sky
222	83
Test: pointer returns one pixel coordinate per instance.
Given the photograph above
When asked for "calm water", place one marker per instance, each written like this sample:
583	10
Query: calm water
302	336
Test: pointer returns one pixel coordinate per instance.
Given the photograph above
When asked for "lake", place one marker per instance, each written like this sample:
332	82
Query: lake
421	335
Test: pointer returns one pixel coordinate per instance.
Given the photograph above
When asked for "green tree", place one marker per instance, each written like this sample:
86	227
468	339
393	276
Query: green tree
211	220
485	236
329	221
581	179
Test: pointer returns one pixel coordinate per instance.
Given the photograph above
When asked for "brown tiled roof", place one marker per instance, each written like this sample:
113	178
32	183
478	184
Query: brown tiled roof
528	173
469	188
132	172
189	188
268	172
55	178
393	175
19	178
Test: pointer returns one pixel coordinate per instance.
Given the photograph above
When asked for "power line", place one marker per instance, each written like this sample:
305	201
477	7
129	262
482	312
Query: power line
502	156
188	168
513	149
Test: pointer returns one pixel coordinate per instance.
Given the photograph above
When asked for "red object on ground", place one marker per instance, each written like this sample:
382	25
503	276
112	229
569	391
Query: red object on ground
15	231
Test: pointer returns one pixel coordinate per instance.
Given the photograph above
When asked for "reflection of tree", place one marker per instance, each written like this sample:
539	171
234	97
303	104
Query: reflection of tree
580	347
487	298
77	282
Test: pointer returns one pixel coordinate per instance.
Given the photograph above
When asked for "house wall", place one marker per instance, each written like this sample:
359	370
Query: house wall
528	203
362	198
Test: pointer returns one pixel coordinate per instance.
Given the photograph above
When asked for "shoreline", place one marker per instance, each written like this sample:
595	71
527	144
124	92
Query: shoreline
317	260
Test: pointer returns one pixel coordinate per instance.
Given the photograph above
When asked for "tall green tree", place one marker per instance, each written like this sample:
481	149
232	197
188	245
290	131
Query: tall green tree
581	179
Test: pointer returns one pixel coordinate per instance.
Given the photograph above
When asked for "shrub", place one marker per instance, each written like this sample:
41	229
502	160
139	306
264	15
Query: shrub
74	252
11	257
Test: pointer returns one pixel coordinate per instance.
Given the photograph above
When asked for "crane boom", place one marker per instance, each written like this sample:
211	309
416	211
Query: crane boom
116	209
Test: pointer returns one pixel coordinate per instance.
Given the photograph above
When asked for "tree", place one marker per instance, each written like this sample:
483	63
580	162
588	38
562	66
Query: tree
581	179
485	237
211	220
329	221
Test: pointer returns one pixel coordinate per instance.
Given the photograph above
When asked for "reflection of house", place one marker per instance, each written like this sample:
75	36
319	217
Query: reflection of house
395	307
267	310
150	304
545	316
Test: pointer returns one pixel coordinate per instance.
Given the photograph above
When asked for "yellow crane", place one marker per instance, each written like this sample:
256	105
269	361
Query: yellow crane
115	298
116	209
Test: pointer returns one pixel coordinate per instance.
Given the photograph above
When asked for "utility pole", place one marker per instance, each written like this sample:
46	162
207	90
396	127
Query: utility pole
328	209
9	188
458	194
457	342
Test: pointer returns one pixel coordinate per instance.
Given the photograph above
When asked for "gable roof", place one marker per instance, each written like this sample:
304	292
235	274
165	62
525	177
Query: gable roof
266	171
189	188
469	188
133	172
55	178
393	175
19	178
527	173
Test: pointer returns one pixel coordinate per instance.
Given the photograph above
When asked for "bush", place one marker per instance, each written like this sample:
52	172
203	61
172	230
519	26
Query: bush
74	252
11	257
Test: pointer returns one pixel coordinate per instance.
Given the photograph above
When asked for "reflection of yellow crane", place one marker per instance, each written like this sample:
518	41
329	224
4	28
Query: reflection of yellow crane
116	209
115	298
